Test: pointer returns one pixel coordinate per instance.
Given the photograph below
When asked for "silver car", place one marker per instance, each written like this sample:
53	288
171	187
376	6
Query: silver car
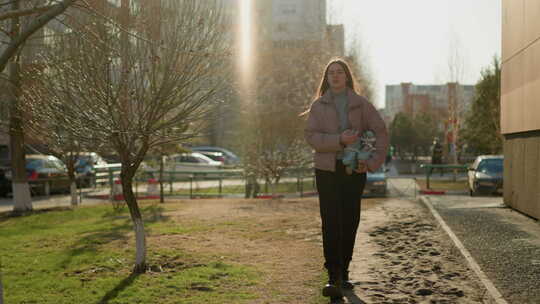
229	157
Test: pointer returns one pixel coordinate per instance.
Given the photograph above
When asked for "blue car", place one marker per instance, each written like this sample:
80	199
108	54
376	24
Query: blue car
5	184
85	168
45	174
376	183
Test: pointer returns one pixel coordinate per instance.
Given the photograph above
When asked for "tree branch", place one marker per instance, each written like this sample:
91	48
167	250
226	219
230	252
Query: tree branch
25	12
35	25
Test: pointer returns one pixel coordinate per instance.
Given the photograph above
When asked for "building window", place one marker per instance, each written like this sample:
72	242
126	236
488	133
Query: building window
288	10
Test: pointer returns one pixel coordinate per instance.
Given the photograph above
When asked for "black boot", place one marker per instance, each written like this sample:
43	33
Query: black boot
333	288
346	283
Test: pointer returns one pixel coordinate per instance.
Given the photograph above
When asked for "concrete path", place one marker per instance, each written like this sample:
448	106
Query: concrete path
498	251
504	243
402	256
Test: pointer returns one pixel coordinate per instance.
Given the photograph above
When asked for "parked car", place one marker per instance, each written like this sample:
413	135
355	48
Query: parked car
5	160
229	157
45	173
485	175
376	183
186	162
193	161
217	156
5	184
85	168
5	163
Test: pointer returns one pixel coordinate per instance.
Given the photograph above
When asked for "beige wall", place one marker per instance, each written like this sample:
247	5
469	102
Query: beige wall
520	90
522	172
520	104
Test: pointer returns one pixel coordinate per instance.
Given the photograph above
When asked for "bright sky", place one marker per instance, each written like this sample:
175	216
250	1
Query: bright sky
409	40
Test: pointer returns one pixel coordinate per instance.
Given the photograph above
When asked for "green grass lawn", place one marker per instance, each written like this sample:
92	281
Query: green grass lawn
86	256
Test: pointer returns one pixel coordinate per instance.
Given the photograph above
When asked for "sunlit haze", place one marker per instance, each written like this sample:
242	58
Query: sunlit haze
245	33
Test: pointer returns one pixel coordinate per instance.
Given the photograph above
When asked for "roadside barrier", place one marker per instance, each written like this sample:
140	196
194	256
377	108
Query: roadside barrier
152	188
431	167
117	192
214	183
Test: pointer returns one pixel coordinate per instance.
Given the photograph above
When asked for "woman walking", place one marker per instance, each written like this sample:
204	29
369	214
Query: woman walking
336	119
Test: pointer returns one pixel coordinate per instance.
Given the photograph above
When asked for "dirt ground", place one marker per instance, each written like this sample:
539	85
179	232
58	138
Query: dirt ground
279	238
401	254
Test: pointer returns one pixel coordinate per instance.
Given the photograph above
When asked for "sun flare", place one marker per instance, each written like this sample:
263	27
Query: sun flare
245	33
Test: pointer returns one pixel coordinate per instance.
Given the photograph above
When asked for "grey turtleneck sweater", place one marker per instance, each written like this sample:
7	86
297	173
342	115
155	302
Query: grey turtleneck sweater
342	108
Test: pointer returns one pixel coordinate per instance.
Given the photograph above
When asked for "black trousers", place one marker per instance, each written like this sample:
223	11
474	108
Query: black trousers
339	199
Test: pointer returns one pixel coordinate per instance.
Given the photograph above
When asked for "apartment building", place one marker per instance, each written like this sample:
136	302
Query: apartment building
436	99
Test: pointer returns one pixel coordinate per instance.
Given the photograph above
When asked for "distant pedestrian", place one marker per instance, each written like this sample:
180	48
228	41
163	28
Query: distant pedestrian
389	155
335	120
252	185
436	154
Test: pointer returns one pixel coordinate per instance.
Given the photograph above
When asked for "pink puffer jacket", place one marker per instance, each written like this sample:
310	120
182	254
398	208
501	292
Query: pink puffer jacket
322	130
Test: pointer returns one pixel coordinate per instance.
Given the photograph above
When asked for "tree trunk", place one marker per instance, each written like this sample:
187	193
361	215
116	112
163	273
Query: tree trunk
273	187
138	225
73	183
161	165
1	287
21	190
73	192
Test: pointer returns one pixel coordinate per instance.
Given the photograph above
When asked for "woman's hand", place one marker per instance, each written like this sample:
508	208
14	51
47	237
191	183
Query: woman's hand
362	166
348	137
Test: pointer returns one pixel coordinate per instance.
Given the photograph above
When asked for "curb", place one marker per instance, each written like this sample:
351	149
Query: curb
120	197
491	289
433	192
442	192
270	196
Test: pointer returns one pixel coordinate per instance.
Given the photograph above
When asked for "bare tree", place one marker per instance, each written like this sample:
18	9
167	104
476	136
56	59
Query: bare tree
456	73
19	21
41	15
12	38
138	92
287	77
51	131
21	190
272	140
358	61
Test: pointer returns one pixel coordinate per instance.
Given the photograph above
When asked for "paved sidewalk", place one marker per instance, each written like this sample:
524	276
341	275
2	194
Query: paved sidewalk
402	256
503	242
393	265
